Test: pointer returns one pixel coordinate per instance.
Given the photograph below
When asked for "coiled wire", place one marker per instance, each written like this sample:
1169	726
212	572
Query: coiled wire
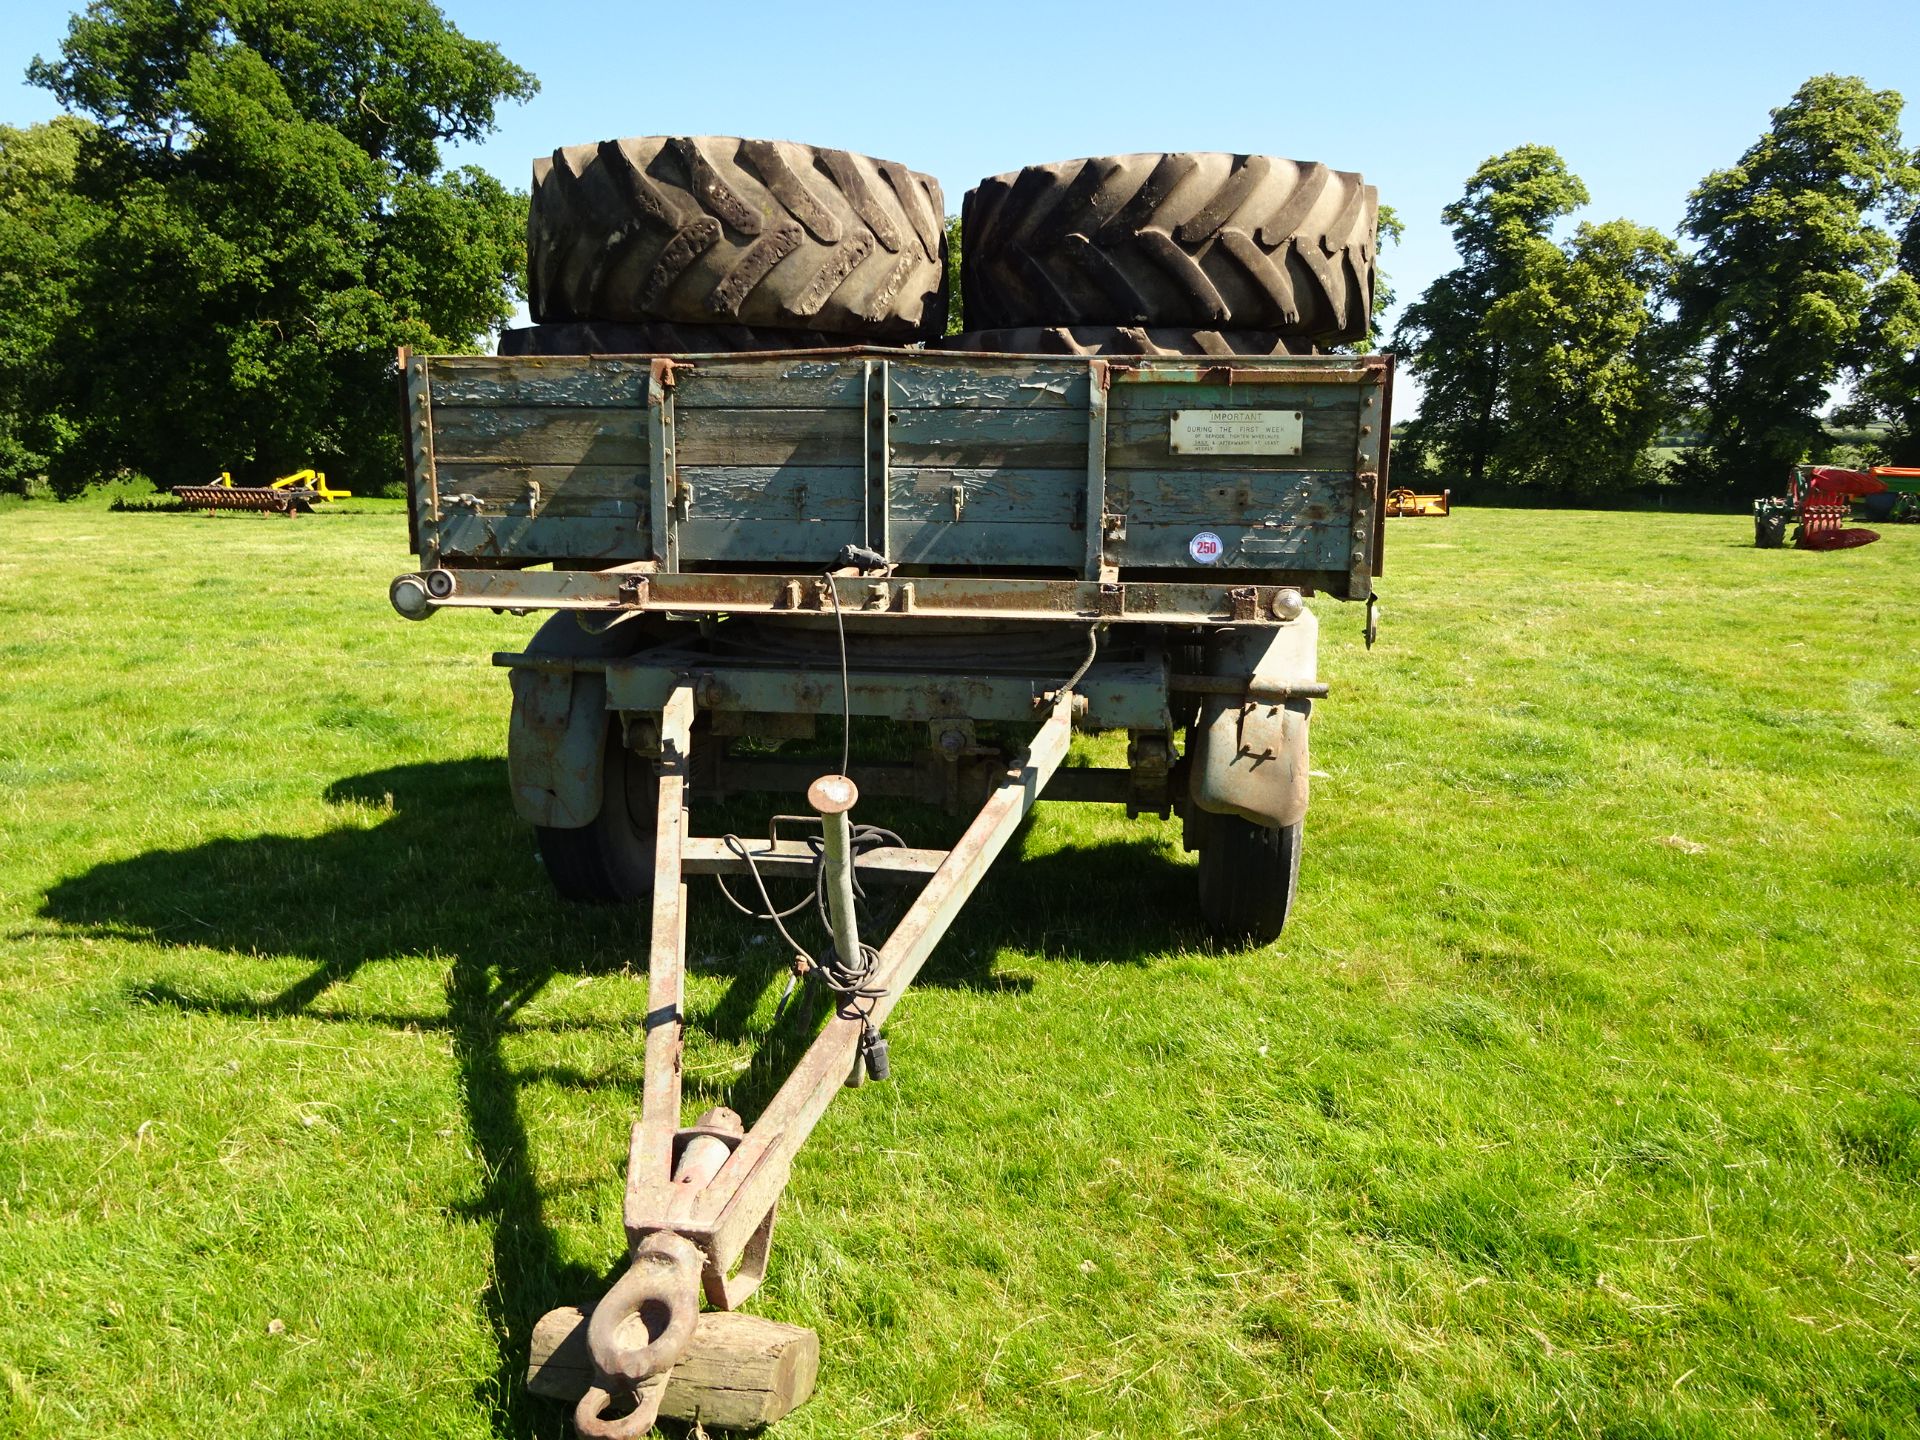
851	980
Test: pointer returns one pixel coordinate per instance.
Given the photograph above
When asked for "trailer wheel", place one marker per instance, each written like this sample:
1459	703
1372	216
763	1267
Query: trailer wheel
1212	240
609	860
1248	875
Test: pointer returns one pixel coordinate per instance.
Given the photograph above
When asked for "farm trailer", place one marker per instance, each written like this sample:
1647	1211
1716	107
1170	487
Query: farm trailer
988	550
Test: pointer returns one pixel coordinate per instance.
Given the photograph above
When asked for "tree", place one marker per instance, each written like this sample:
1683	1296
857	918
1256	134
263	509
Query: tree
1389	229
277	222
1589	363
1776	295
1510	203
43	225
1887	380
956	318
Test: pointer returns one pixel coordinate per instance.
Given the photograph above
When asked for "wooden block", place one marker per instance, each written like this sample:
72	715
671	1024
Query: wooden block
741	1371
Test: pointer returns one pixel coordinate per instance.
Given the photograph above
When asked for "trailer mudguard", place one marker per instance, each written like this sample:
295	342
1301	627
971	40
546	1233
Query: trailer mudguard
557	737
1249	757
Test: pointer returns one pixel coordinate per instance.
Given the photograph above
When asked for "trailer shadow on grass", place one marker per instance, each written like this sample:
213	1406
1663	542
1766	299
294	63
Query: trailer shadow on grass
430	861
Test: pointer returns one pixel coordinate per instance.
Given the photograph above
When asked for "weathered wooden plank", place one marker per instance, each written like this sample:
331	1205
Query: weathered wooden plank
952	381
1278	395
1259	548
765	436
765	384
739	1372
543	435
800	545
1050	497
773	493
536	380
1035	439
508	482
539	537
1010	544
1178	497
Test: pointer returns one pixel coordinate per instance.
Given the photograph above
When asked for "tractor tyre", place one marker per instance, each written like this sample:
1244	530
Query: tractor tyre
1769	531
707	230
1248	876
609	860
1210	240
1123	340
657	337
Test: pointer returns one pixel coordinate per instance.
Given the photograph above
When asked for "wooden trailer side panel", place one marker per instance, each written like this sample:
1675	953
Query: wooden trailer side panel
943	462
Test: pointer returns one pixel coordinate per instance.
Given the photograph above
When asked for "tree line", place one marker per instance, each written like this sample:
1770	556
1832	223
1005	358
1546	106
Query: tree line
209	262
1555	364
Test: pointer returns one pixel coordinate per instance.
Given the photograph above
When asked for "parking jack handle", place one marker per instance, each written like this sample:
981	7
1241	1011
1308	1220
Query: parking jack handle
832	796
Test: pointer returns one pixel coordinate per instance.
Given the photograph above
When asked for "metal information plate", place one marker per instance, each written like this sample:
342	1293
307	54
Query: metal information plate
1236	432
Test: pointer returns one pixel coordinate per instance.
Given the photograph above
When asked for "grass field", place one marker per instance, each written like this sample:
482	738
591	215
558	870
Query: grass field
1580	1097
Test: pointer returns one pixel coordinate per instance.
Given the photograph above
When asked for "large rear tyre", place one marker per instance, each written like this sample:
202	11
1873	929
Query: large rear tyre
609	860
1123	340
714	230
657	337
1248	876
1243	241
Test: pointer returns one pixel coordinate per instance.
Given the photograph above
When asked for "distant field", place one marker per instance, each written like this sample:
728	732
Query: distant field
1579	1099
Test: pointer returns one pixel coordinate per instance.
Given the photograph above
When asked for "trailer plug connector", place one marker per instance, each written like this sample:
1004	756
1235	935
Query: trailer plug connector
873	1050
859	557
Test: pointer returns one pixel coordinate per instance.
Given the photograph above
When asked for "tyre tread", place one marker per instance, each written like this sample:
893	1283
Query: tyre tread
697	229
1173	239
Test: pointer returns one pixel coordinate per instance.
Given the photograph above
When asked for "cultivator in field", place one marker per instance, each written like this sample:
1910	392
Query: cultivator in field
289	495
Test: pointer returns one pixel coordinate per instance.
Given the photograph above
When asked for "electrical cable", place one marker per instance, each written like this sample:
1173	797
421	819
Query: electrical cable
1093	648
850	981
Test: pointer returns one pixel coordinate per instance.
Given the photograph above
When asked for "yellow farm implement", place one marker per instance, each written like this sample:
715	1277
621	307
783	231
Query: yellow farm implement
289	495
1407	502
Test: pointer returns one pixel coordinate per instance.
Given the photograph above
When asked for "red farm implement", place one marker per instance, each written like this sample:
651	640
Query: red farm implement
1820	500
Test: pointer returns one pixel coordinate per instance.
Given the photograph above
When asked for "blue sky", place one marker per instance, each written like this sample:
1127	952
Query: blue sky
1642	99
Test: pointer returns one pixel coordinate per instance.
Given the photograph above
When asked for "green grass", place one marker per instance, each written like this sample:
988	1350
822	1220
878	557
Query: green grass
1580	1097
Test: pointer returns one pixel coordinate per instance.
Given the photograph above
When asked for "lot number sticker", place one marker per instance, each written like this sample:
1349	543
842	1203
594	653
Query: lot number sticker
1205	547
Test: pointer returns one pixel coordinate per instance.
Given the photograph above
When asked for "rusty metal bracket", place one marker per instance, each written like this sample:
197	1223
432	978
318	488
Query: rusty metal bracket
876	414
669	504
1097	561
